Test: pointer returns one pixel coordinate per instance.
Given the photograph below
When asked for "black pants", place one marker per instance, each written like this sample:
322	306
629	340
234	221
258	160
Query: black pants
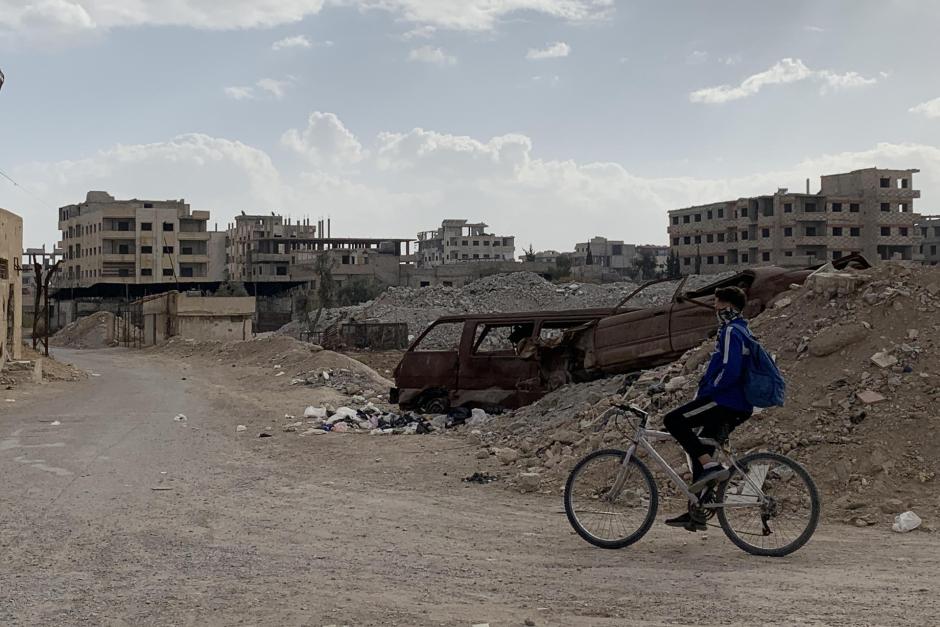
704	413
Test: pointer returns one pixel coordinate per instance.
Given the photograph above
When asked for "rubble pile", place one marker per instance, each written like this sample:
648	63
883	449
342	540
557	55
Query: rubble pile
99	330
517	291
369	418
861	355
299	363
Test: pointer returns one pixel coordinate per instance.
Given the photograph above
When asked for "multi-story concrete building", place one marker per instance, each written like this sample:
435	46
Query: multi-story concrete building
11	287
610	255
458	241
868	211
270	248
659	253
136	242
930	239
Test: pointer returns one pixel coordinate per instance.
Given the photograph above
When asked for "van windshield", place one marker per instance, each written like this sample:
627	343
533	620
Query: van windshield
444	336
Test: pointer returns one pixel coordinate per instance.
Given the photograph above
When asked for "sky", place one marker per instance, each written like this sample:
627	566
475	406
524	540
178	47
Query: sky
551	120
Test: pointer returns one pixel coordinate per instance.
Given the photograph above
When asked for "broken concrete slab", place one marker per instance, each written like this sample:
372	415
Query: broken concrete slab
884	359
836	338
869	397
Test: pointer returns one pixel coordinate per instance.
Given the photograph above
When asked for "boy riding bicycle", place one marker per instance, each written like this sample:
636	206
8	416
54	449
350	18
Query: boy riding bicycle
720	404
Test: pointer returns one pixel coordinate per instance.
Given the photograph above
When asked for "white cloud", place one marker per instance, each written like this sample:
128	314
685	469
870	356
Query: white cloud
429	54
421	32
324	141
930	109
731	59
696	57
555	51
277	89
46	18
299	41
814	29
783	72
240	93
552	80
408	181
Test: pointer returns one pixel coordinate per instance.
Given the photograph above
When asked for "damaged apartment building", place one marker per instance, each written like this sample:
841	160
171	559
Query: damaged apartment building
11	288
134	244
869	211
459	241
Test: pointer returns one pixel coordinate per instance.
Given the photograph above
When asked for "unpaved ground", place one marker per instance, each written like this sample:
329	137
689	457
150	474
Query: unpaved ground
358	530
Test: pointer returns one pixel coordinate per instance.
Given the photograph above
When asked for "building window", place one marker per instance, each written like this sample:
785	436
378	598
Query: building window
885	182
788	231
686	261
168	272
148	205
710	214
486	242
904	231
765	232
765	256
721	237
167	250
902	183
616	249
902	207
886	207
686	219
743	234
167	226
464	243
146	272
885	231
476	242
709	260
675	220
280	270
788	207
854	207
146	226
476	256
836	254
744	258
855	231
837	231
146	250
933	249
686	240
698	217
810	207
122	226
675	241
721	259
811	231
721	213
698	239
837	206
788	253
709	238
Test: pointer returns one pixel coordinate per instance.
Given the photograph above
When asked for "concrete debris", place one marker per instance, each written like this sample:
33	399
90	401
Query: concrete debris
884	360
99	330
179	418
315	412
908	521
870	397
240	428
517	291
529	481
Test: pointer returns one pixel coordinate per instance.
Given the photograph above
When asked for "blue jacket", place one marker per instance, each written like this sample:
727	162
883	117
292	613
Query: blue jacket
723	381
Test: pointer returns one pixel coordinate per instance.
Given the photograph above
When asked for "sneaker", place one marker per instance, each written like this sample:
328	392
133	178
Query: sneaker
687	522
707	477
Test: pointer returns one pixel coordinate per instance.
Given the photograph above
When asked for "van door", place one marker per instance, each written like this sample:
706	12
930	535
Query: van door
431	362
498	364
632	340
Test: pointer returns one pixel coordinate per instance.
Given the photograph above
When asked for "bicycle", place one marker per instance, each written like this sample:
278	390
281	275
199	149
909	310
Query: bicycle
765	499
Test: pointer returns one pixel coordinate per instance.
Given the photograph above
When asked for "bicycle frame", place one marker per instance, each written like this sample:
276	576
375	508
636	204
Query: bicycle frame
642	440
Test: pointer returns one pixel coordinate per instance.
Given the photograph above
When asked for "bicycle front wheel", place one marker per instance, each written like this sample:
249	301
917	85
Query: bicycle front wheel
611	504
772	509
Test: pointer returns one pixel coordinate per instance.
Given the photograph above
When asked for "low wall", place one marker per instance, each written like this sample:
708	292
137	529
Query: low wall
224	328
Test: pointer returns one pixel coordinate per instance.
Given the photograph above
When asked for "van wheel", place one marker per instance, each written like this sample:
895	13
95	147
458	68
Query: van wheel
434	404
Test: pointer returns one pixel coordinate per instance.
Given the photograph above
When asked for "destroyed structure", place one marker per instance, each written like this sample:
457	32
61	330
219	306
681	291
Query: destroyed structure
930	239
458	241
867	211
137	243
11	288
201	318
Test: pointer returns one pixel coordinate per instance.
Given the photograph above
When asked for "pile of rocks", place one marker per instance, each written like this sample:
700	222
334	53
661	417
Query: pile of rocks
860	355
517	291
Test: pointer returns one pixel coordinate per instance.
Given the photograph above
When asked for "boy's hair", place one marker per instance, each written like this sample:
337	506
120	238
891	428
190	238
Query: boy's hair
735	296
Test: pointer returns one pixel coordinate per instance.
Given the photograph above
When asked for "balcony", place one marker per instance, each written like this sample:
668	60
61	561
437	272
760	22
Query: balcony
270	257
119	257
193	258
193	235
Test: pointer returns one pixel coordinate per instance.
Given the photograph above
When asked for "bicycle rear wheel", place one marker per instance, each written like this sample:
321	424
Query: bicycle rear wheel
607	520
787	518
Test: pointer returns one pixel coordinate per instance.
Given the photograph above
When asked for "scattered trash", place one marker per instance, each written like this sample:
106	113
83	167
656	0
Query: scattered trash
160	488
240	428
179	418
481	477
264	434
908	521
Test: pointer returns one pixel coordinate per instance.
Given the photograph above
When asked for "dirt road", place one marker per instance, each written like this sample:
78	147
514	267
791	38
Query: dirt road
120	515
